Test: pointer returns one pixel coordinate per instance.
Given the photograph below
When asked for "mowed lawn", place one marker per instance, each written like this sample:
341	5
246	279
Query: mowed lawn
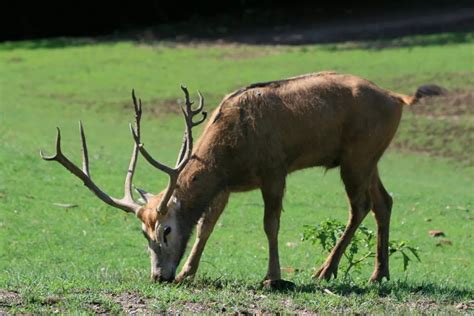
93	259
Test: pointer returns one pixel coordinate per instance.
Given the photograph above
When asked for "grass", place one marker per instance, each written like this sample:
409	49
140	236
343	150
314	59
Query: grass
92	258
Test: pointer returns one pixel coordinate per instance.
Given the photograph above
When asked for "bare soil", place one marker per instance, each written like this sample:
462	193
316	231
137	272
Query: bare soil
465	307
131	303
453	105
98	309
440	126
8	299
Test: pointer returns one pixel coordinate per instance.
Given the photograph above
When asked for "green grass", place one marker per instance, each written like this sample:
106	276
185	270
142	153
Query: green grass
92	257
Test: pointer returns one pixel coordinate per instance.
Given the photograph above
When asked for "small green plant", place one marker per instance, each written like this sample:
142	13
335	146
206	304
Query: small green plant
361	248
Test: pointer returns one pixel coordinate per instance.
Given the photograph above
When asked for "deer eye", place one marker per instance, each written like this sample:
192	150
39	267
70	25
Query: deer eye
166	232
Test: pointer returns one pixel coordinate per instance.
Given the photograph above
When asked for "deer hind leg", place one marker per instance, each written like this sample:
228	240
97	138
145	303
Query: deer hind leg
357	189
204	229
382	208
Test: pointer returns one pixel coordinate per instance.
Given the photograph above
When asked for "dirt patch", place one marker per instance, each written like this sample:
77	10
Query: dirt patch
98	308
439	141
423	306
68	99
440	126
51	300
131	303
463	78
156	107
161	107
453	104
14	60
190	308
223	50
9	299
242	52
467	306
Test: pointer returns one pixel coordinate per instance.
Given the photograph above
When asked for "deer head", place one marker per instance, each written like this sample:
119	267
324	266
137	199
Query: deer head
158	212
166	239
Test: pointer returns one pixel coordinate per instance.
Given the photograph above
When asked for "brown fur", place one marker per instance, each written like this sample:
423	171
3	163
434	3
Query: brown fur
317	120
259	134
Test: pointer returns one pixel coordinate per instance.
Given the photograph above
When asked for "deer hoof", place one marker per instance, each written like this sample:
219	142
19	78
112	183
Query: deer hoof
378	275
183	277
278	285
326	272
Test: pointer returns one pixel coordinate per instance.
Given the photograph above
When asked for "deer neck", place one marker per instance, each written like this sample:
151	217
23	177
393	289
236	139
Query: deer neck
196	190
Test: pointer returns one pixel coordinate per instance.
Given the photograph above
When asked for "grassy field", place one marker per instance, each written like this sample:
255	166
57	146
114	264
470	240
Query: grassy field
93	259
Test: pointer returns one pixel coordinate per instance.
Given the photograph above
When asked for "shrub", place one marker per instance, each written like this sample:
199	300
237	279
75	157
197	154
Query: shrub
361	248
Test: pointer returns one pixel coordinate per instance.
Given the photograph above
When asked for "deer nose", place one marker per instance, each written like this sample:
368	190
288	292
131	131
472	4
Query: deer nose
158	277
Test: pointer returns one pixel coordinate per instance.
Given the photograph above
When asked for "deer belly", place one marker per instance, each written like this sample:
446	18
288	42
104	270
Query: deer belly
313	155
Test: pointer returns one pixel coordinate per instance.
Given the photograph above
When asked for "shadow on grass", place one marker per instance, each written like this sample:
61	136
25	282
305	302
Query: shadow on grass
408	41
397	288
377	44
58	42
372	32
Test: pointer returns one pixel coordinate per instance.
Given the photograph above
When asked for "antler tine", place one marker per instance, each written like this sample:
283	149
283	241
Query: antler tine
85	154
182	151
189	114
186	98
172	173
203	118
201	104
186	147
173	178
138	110
136	136
199	110
144	194
127	190
125	203
58	147
134	98
133	160
146	155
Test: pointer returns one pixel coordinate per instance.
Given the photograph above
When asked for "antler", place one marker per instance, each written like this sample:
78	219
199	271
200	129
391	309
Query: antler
126	203
185	151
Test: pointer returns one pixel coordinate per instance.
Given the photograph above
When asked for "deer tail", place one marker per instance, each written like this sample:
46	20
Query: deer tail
427	90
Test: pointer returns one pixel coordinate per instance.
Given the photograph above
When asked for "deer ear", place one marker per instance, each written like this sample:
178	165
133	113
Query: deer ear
148	218
140	214
146	196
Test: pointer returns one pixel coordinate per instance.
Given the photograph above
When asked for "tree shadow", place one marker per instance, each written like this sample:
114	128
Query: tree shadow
374	32
397	288
379	29
408	41
58	42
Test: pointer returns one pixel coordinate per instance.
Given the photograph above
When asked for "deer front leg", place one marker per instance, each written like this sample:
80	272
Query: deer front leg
203	231
272	192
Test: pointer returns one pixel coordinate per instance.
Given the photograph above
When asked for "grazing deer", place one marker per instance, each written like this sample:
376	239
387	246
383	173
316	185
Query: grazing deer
253	140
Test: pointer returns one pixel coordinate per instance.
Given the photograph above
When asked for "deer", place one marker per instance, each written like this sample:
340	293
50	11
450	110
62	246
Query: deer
255	137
